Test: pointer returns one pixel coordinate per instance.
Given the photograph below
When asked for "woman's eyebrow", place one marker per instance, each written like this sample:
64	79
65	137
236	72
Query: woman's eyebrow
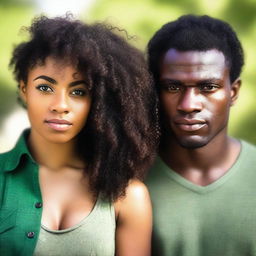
51	80
47	78
77	83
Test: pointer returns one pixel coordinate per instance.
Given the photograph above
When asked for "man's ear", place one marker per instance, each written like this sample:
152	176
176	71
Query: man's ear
235	87
22	91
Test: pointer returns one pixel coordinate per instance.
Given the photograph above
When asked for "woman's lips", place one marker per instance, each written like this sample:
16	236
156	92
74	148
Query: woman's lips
58	124
190	125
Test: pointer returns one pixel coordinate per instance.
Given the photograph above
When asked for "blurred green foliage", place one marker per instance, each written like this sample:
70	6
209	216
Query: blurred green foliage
141	19
16	2
11	19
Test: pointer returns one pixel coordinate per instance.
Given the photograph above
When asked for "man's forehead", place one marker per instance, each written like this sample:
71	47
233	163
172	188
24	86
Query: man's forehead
177	58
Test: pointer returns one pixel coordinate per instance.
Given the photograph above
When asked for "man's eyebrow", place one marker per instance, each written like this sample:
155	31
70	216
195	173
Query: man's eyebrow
77	83
47	78
208	81
166	80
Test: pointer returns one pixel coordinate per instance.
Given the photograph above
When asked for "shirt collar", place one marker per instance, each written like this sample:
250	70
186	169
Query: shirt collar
10	160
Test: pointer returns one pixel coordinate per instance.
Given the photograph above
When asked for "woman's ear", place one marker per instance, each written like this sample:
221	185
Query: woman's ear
23	91
235	87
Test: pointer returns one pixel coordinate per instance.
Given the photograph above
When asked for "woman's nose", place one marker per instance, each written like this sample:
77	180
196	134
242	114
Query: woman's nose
60	103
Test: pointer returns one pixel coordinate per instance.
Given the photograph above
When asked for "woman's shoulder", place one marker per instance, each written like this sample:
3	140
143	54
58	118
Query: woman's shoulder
136	198
134	220
5	159
136	190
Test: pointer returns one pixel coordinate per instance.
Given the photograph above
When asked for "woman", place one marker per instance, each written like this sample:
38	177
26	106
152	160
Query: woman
70	186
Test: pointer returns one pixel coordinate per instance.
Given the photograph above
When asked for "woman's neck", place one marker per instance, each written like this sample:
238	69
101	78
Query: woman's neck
55	156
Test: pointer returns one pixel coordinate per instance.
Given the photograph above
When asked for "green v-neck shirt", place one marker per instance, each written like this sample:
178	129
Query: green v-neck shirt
214	220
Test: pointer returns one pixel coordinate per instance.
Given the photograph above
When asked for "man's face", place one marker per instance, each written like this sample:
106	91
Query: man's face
195	95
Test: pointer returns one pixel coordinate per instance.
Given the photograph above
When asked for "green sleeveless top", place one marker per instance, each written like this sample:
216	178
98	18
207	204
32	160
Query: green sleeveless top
93	236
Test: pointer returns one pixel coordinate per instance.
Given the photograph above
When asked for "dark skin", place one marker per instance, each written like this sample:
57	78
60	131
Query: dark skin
56	92
196	95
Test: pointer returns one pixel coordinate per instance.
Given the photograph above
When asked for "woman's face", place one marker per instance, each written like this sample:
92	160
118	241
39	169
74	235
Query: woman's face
58	101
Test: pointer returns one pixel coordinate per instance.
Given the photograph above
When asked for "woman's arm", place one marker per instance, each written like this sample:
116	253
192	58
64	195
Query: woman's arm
134	221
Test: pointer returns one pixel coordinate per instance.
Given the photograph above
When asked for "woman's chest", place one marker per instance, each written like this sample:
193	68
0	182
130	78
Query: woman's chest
66	199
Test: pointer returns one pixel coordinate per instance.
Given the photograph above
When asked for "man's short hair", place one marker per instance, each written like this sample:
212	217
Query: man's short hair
197	33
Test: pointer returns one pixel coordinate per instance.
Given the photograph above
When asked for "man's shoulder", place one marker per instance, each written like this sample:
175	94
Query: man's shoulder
248	149
157	173
248	144
247	156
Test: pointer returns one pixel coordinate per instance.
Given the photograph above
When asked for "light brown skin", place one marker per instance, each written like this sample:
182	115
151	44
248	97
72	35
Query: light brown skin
67	198
196	95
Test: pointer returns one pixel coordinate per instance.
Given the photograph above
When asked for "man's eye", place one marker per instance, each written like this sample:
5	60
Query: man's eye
171	87
44	88
208	87
78	92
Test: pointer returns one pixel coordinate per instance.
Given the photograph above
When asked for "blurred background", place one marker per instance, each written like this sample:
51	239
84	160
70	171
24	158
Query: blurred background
141	19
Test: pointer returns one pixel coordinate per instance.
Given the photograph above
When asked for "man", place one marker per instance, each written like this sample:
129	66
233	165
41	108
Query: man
203	184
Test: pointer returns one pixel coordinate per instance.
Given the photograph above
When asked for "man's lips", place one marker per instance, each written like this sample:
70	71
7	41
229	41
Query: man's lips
189	125
58	124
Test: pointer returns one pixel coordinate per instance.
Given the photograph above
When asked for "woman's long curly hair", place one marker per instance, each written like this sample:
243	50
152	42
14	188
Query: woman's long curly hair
120	138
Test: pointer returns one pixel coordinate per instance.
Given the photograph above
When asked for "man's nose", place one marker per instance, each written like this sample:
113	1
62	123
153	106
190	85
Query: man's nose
60	103
190	100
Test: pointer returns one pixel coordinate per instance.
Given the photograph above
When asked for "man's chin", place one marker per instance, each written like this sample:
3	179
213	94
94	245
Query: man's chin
192	142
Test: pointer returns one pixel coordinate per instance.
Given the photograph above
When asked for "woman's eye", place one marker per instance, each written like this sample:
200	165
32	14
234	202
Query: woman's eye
78	92
44	88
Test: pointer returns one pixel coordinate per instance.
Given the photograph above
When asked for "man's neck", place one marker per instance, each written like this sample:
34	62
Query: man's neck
204	165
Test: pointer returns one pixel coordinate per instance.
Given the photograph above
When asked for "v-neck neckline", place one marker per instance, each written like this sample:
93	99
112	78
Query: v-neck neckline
197	188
